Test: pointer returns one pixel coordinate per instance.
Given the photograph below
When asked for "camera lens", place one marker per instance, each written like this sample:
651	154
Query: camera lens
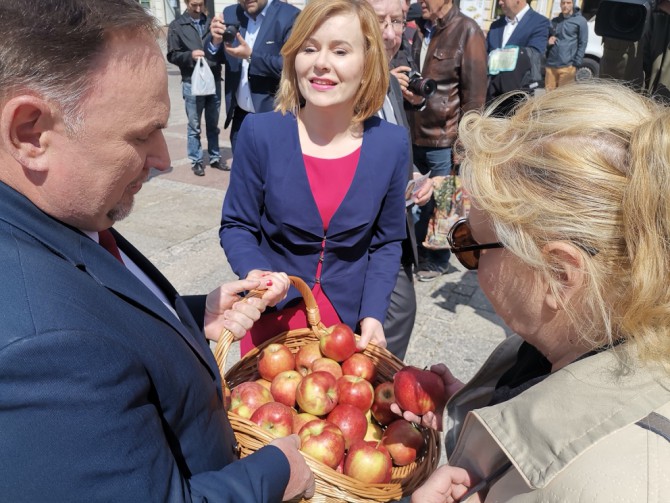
422	87
229	34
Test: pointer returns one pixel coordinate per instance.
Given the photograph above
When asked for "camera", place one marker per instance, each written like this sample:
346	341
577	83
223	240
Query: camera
230	33
420	86
623	19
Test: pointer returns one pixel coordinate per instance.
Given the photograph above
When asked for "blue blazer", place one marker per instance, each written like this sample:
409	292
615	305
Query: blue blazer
270	220
266	60
532	31
105	394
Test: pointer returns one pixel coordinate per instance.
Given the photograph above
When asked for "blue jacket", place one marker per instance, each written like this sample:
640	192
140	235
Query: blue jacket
105	395
532	31
572	35
266	60
270	220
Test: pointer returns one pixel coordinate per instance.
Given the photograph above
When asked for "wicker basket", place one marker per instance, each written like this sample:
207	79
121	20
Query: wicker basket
331	486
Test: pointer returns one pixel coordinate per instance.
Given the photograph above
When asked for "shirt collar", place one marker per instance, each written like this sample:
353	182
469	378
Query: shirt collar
519	16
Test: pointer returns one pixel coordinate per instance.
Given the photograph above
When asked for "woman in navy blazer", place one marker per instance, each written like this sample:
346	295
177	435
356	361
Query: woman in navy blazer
334	80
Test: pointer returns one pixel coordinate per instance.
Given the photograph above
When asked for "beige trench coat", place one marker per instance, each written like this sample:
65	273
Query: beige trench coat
572	437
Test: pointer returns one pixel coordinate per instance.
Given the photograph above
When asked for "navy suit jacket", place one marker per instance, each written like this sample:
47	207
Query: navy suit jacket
266	60
106	395
270	220
532	31
410	254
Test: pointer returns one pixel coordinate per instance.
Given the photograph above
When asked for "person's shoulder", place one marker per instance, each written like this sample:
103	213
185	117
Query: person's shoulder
271	124
498	23
537	17
391	132
285	8
467	21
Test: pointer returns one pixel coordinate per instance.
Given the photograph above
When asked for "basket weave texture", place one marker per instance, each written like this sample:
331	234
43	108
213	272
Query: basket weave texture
331	486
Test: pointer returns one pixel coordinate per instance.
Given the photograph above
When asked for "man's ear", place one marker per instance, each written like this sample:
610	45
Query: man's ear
568	272
25	124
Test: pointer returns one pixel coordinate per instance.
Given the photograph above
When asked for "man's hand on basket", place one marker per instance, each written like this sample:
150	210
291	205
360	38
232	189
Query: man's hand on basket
301	481
276	284
447	484
371	330
430	419
224	309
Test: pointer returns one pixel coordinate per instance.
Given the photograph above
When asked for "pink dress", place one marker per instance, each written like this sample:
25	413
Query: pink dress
329	180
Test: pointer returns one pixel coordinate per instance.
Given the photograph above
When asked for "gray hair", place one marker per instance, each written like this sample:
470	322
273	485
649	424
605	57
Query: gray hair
50	47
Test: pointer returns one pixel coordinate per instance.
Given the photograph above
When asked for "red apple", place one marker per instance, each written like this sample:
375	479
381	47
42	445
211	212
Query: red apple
300	420
317	393
418	391
355	391
351	422
327	365
403	441
275	358
339	343
368	462
264	382
275	418
374	433
306	356
360	365
381	406
284	385
323	441
246	397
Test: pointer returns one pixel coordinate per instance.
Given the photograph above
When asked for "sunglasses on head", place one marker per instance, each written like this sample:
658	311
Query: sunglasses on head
464	246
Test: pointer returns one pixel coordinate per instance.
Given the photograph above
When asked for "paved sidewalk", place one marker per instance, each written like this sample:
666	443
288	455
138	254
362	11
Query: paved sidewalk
175	223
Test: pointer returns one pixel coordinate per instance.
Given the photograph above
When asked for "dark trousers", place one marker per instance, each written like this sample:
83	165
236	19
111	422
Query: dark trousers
238	116
401	313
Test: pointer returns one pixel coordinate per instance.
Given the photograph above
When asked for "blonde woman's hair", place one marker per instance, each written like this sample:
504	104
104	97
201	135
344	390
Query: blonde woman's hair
374	84
587	164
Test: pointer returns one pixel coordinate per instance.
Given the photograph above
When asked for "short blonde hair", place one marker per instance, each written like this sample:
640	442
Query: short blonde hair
587	164
374	84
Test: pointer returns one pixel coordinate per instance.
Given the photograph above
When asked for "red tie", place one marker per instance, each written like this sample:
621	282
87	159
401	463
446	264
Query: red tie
107	241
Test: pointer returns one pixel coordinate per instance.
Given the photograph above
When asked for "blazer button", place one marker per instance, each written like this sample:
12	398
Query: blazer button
236	449
317	280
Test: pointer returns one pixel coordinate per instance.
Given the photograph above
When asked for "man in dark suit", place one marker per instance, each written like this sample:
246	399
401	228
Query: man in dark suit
253	62
402	310
523	27
109	389
184	49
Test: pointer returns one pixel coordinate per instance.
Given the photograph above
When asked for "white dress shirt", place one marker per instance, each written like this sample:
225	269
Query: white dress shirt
243	93
139	274
512	24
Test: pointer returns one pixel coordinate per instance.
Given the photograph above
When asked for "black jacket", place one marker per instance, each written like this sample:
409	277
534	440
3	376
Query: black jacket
183	38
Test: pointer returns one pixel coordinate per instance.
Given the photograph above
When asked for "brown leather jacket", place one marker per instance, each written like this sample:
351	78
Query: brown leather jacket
456	60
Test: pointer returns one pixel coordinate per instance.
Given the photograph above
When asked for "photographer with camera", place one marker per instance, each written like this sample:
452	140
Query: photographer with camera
449	54
248	39
184	49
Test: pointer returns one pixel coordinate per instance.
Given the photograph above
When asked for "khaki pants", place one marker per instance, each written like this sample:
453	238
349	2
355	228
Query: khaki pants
556	77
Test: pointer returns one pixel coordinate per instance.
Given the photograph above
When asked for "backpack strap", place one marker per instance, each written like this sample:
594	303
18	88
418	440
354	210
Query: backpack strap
656	423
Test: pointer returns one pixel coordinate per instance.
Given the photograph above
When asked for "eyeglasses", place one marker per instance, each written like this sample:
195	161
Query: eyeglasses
397	25
464	246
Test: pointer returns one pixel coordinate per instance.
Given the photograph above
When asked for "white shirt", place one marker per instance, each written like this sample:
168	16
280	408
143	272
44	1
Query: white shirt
512	24
243	93
139	274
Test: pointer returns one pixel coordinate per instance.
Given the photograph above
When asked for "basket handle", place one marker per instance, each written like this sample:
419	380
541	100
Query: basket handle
313	319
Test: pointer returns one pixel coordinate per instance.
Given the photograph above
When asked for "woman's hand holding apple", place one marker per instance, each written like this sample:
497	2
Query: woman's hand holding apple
433	419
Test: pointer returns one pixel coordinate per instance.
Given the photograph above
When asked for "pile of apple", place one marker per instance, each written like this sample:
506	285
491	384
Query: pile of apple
324	393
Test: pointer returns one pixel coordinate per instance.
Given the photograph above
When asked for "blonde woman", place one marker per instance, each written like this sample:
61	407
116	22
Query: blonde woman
318	185
570	235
